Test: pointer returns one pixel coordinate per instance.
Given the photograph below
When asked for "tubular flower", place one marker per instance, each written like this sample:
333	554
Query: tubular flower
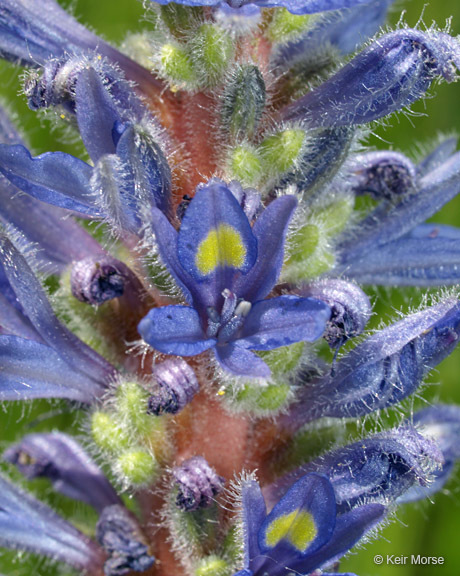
188	285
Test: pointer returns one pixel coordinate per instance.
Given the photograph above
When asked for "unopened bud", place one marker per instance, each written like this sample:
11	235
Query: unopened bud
176	387
95	281
120	534
244	101
197	482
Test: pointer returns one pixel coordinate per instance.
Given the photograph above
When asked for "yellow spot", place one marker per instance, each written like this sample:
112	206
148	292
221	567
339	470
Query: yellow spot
99	57
62	116
223	246
297	527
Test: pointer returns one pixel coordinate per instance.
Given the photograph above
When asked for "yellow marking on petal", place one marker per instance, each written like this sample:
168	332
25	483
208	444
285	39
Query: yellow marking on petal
297	527
223	246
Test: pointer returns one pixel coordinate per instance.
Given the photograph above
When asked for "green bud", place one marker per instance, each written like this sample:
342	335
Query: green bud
131	406
263	399
285	26
211	50
283	360
280	151
139	48
336	215
176	64
244	165
310	254
244	101
137	467
212	566
106	432
178	18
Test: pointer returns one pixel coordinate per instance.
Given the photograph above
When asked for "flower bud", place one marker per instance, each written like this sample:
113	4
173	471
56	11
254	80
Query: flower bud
211	51
400	67
282	150
243	101
136	467
388	175
97	281
197	483
379	468
350	307
244	164
384	369
176	387
323	154
176	64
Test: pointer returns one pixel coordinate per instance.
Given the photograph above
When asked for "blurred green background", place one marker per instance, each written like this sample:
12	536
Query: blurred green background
428	529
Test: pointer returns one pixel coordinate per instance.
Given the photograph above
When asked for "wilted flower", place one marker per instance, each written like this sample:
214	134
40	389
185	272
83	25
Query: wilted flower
190	287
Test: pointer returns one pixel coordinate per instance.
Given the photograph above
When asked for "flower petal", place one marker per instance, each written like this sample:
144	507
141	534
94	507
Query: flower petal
37	308
282	321
215	241
97	115
166	240
350	528
253	512
270	231
54	177
32	370
175	330
241	362
301	522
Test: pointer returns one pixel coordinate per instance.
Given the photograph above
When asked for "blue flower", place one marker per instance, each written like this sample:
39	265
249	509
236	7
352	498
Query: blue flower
383	369
226	269
399	66
304	531
130	172
28	524
35	347
394	245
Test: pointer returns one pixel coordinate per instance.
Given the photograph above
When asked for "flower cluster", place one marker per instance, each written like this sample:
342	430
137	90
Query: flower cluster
190	287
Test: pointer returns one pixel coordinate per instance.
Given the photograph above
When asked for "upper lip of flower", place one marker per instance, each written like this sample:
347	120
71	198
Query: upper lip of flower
226	268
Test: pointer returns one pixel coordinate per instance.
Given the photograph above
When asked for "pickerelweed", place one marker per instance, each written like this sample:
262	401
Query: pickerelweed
189	287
